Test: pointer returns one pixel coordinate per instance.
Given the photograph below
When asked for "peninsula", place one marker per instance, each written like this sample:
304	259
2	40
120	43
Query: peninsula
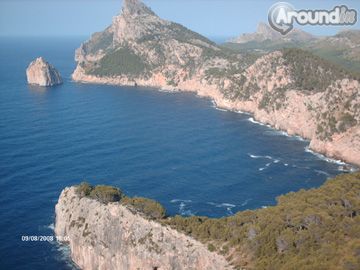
314	229
289	89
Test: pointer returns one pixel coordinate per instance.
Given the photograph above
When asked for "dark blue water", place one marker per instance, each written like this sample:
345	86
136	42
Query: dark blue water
175	148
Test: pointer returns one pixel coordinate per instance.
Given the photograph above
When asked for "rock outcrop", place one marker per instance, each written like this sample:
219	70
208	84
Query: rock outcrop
110	236
41	73
291	90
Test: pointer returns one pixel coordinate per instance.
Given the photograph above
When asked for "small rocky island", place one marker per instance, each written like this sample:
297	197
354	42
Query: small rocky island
42	73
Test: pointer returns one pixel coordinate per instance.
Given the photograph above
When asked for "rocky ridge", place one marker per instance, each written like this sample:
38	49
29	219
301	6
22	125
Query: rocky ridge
265	33
291	90
111	236
41	73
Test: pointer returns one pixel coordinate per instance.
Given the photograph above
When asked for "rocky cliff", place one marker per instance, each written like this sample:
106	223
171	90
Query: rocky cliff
40	72
289	89
313	229
112	236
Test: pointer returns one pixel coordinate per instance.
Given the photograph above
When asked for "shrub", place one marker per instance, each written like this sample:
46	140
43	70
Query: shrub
84	189
150	208
311	72
211	247
122	61
106	194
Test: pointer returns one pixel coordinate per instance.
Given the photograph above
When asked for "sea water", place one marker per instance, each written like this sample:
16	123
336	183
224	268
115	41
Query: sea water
174	148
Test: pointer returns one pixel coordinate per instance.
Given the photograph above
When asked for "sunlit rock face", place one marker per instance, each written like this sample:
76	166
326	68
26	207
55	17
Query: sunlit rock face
41	73
110	236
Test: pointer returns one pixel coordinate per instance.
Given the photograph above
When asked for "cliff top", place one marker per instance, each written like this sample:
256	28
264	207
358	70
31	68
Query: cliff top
292	234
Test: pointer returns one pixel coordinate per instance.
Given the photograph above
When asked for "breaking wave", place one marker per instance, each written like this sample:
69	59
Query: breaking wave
320	156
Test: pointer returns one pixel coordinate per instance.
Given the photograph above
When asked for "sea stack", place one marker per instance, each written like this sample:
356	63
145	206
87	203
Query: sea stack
41	73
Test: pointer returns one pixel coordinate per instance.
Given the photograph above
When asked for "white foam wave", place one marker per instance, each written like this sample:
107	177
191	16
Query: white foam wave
214	105
227	206
183	210
180	200
263	157
252	120
51	226
245	202
220	109
347	169
261	169
242	112
222	204
164	90
320	156
322	172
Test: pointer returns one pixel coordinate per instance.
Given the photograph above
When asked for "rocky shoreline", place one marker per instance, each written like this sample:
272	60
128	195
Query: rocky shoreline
336	150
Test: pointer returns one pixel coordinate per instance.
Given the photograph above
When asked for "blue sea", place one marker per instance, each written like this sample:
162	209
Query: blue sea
175	148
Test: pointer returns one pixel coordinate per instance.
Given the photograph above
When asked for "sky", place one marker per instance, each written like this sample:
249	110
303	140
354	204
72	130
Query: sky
212	18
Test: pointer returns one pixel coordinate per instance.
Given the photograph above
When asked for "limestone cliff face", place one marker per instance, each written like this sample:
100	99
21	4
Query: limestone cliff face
40	72
113	237
290	90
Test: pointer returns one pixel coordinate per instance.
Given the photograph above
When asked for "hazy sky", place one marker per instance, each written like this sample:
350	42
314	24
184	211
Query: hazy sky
213	18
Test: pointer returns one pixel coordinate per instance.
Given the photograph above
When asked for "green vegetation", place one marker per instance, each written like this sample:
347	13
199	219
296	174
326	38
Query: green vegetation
150	208
337	53
311	72
104	194
119	62
273	100
108	194
347	121
99	41
314	229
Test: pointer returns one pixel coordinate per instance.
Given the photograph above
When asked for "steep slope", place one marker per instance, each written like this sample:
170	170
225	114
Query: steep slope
41	73
105	235
314	229
289	89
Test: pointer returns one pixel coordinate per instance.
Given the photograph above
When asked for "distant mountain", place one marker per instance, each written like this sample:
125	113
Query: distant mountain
265	33
342	49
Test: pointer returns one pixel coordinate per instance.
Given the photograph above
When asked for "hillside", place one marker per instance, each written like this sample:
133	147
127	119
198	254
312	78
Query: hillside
291	89
314	229
342	49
